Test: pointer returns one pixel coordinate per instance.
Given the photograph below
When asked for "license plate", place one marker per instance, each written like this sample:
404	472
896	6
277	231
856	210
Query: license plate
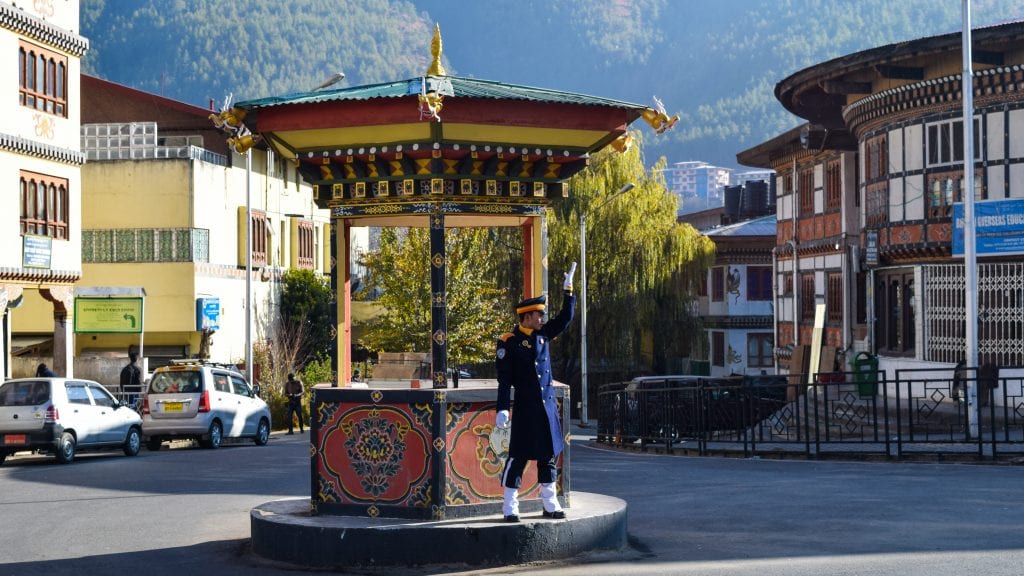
173	406
15	439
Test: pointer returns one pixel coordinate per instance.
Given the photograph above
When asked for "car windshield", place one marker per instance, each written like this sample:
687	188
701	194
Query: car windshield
176	381
24	393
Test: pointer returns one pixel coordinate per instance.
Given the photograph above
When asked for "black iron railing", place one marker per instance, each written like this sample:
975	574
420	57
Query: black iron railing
916	412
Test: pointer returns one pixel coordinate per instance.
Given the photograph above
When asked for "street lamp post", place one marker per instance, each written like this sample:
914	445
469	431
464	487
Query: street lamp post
584	420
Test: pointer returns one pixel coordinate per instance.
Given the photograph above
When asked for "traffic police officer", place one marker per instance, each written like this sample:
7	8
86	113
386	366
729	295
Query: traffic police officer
524	363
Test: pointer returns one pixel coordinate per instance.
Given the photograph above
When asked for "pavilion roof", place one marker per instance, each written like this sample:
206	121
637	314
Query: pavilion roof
444	85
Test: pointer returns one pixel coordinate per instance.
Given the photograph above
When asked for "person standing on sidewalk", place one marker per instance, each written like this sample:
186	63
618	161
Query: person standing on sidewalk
294	391
523	362
131	378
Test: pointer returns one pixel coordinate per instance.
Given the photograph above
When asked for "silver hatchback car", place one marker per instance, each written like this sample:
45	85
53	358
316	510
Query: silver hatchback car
62	416
204	401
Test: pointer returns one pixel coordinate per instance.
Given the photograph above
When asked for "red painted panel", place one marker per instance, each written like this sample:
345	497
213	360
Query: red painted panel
404	110
379	454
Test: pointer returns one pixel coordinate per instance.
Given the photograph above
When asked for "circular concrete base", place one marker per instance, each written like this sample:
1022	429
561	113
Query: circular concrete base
285	531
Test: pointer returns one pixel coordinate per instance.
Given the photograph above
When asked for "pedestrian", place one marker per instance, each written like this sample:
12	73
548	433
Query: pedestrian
293	390
131	378
523	362
357	376
42	371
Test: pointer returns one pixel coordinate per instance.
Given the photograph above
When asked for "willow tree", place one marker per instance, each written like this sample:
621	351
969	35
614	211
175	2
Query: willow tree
642	267
476	304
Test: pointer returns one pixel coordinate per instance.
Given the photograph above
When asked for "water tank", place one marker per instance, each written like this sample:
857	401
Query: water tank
733	196
755	199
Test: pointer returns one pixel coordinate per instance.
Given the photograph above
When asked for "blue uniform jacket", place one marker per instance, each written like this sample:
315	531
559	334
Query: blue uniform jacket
524	363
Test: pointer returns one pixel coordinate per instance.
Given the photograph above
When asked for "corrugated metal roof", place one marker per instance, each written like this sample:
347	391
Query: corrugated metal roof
763	226
446	86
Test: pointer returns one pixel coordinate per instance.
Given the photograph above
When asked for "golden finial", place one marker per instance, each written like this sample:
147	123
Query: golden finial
436	69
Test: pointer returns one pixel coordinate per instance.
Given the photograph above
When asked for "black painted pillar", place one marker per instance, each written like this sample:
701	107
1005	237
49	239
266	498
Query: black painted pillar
438	308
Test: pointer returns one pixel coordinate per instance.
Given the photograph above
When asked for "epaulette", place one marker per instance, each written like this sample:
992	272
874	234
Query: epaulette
504	337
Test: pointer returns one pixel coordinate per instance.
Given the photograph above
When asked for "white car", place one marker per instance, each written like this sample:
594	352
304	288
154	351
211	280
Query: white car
62	416
203	401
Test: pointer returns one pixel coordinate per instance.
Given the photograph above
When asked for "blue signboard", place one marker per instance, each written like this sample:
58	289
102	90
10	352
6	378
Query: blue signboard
36	251
999	227
207	313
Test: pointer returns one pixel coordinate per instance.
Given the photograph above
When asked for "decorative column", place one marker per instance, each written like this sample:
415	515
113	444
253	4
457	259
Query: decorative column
439	298
342	277
63	300
535	257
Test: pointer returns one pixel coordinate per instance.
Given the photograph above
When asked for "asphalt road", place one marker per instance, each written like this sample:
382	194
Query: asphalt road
185	511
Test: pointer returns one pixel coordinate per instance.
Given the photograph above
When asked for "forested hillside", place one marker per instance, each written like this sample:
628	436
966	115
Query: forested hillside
715	63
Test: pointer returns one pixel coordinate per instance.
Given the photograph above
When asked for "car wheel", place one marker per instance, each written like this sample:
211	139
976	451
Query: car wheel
154	443
262	432
66	448
213	437
133	442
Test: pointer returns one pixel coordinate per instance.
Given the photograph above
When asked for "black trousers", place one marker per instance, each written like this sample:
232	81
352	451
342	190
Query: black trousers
296	408
512	475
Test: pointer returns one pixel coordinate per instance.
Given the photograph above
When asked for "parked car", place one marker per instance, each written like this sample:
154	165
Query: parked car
684	406
63	416
204	401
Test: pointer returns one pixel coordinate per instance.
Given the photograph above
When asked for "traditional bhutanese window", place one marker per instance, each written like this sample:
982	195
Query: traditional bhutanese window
807	296
42	79
807	192
759	283
876	160
718	349
759	350
834	297
260	236
833	185
305	245
718	284
44	205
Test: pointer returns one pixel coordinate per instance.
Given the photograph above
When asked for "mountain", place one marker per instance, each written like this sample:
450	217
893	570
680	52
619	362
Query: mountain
714	63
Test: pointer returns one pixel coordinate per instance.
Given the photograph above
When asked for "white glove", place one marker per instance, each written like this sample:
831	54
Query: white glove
567	285
501	420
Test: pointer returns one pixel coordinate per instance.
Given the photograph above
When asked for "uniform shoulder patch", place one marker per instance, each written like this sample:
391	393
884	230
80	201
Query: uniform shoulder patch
504	337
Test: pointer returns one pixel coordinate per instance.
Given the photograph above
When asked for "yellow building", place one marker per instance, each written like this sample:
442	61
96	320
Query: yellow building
40	227
164	210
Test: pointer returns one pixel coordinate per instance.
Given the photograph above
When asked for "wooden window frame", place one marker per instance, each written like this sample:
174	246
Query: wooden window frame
759	283
807	297
44	205
718	348
756	357
718	284
260	232
834	298
42	79
833	186
806	191
306	247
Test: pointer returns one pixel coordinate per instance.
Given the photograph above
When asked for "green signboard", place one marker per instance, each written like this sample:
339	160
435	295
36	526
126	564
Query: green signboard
108	315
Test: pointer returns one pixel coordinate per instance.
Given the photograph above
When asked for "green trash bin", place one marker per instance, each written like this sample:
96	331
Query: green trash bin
865	374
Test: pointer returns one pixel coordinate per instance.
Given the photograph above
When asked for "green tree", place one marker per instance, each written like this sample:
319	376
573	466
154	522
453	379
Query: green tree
307	303
400	273
641	266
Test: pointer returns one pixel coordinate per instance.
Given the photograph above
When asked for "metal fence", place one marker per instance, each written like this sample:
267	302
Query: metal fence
914	413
